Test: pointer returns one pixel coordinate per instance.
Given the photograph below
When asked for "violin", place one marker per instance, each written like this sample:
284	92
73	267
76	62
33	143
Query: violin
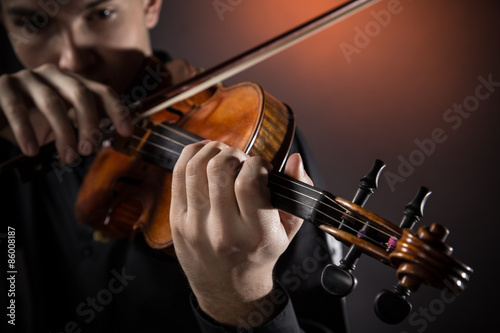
127	189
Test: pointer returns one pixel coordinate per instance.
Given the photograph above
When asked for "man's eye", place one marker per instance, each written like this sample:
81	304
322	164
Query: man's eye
18	22
101	14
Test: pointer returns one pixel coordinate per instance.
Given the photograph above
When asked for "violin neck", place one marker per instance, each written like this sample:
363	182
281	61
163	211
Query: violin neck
303	200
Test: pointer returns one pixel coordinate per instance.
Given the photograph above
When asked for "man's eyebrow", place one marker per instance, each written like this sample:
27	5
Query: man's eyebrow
20	11
93	4
24	11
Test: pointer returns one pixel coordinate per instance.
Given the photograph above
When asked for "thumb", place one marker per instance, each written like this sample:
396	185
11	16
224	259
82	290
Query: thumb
294	168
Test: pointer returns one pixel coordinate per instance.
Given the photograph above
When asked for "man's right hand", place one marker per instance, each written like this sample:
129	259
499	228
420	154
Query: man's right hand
46	104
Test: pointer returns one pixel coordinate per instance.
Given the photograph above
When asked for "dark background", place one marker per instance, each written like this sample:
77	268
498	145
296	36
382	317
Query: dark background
374	104
393	92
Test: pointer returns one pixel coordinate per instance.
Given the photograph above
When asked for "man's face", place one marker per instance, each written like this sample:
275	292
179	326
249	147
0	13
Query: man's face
103	40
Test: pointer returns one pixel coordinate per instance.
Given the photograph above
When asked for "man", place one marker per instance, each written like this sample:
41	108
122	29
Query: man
80	57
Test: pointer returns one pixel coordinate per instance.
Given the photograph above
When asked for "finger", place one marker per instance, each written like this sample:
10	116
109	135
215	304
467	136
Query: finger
15	111
251	188
179	203
197	188
76	93
180	70
179	195
52	106
294	168
221	173
110	103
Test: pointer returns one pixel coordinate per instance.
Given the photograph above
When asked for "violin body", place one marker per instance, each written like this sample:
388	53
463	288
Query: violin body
122	193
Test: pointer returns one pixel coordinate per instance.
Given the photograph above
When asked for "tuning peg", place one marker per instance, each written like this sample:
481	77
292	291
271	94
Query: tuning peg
369	183
339	280
414	210
392	307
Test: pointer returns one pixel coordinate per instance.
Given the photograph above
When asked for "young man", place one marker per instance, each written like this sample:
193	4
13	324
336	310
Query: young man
81	56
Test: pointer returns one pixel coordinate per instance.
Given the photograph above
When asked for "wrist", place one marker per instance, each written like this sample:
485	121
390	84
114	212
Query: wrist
272	313
228	304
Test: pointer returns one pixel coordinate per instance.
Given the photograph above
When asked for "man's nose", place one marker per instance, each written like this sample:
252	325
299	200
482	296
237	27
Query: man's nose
76	55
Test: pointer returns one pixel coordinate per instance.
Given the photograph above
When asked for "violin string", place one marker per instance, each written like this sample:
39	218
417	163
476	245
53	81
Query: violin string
330	218
143	152
176	131
332	206
298	183
173	130
155	145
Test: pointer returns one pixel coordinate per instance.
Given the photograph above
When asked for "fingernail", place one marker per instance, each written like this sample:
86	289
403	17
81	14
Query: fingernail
302	171
128	127
124	128
85	147
70	155
269	166
31	148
